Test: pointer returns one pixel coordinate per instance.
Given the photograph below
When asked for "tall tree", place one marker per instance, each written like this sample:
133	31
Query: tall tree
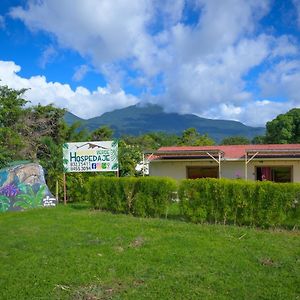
191	137
12	113
285	128
11	106
103	133
258	140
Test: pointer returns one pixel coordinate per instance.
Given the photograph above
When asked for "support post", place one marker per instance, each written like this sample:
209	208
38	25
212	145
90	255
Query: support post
143	164
246	163
65	190
218	161
246	167
220	174
56	190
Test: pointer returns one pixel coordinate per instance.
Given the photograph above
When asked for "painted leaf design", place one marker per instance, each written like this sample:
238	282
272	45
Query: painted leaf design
115	166
39	196
22	187
4	203
114	144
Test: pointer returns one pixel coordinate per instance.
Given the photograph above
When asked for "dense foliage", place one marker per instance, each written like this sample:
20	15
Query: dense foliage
285	128
235	140
240	202
146	197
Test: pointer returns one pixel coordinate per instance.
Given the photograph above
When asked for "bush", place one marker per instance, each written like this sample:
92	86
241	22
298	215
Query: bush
240	202
146	197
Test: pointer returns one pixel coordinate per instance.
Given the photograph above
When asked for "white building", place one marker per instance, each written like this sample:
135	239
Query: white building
278	163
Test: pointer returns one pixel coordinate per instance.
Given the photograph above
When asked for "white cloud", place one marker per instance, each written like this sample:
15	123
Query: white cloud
48	56
282	80
202	66
266	110
284	46
103	30
81	101
216	79
80	72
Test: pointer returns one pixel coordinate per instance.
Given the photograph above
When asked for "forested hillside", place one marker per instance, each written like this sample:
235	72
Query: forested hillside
138	119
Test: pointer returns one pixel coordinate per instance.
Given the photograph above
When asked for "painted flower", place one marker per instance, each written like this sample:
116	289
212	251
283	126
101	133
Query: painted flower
10	190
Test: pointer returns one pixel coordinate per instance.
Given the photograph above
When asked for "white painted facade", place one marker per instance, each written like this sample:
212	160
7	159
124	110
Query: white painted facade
229	168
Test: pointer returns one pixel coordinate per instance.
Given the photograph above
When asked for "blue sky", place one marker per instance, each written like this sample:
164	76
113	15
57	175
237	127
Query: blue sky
229	59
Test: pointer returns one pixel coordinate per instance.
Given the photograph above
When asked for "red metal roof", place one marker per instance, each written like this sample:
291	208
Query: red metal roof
231	151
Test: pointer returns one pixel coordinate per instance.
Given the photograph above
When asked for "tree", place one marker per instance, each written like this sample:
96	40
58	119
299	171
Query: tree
190	137
12	112
11	106
10	146
104	133
39	122
285	128
235	140
258	140
129	157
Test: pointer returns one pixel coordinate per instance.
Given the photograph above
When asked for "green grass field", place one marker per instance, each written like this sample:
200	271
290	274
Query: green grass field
73	253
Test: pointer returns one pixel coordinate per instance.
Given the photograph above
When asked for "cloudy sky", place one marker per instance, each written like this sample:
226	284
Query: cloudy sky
229	59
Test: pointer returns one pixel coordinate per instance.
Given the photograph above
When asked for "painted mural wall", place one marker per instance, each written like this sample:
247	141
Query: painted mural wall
23	186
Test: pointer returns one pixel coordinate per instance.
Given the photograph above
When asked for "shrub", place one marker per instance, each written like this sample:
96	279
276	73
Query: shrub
146	197
240	202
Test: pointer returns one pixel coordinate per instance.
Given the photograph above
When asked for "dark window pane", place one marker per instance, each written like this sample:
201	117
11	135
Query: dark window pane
202	172
276	174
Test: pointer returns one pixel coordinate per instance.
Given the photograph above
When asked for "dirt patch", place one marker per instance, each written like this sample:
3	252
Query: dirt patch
97	292
138	242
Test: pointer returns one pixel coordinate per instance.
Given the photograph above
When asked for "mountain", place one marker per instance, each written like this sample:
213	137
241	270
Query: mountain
137	119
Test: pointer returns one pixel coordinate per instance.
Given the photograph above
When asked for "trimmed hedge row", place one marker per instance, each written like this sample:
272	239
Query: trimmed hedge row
240	202
209	200
139	196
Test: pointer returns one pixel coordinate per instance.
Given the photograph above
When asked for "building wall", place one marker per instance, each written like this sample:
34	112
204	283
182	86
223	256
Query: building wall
229	169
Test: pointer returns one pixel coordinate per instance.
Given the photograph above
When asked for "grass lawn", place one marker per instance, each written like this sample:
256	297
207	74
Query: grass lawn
69	253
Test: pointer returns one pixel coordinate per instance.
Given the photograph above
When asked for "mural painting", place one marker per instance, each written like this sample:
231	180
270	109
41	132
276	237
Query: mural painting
23	186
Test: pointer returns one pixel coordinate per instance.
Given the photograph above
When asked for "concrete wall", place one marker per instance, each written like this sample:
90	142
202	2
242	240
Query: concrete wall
229	169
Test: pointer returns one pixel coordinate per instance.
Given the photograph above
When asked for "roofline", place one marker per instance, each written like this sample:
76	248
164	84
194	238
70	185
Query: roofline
227	159
183	151
272	150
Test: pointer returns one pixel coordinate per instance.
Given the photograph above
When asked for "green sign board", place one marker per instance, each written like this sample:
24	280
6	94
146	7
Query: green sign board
90	156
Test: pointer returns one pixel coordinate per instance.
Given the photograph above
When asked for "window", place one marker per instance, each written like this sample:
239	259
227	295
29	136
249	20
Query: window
276	174
202	172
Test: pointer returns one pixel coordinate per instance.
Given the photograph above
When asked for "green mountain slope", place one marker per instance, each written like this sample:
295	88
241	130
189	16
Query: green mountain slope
137	119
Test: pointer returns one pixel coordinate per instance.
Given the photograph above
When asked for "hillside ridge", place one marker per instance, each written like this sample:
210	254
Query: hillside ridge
141	119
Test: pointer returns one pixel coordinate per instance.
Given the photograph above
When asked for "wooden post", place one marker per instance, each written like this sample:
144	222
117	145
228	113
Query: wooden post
246	166
56	190
65	190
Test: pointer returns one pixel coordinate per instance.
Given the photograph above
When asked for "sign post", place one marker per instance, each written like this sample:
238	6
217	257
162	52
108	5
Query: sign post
65	189
90	157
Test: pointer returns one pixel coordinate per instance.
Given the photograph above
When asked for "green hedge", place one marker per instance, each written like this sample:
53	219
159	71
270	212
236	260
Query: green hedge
240	202
146	197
